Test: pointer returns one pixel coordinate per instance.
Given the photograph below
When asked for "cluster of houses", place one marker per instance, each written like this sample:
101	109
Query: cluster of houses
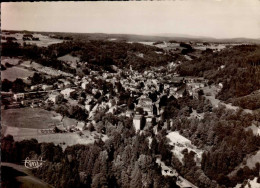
137	84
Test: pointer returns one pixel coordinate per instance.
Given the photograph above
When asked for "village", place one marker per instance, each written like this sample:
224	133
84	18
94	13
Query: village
113	94
125	93
85	93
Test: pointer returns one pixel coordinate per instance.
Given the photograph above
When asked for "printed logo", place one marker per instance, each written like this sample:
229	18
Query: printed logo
33	163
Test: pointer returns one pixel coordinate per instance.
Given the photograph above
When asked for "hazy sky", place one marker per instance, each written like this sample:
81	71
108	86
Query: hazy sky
220	19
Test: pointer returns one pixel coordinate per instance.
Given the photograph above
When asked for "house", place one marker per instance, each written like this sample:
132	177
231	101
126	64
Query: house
60	85
55	97
18	96
84	85
36	87
67	92
67	84
129	113
94	91
47	87
88	107
81	126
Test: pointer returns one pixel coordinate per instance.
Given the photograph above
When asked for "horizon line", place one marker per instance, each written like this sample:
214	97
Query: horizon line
189	36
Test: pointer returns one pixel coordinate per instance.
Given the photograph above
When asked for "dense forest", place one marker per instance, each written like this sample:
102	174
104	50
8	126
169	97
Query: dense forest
96	54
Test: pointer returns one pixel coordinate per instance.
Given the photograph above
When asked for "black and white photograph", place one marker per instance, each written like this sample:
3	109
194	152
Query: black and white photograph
131	94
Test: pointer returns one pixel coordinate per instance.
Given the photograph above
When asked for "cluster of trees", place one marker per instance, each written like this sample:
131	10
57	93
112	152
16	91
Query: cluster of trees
61	37
16	86
183	107
38	78
74	111
122	54
187	48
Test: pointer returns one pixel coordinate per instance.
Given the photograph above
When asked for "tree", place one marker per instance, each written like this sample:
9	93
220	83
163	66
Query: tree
130	104
18	86
140	110
136	177
36	78
6	85
154	146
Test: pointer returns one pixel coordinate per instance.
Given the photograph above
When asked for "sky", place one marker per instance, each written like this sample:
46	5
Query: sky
209	18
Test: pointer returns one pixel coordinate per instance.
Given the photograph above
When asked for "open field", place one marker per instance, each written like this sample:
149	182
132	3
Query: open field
27	123
15	72
69	58
29	118
29	64
45	70
62	139
12	61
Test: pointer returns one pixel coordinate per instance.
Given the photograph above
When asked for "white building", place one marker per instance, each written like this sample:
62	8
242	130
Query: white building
81	126
84	85
46	87
137	120
67	92
18	96
35	87
88	107
67	84
55	97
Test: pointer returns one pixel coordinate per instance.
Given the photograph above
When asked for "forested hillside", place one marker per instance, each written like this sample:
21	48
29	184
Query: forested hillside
97	54
240	74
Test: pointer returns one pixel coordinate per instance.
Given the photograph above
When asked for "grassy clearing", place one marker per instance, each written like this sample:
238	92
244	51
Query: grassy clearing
69	58
180	143
29	118
12	61
15	72
62	139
